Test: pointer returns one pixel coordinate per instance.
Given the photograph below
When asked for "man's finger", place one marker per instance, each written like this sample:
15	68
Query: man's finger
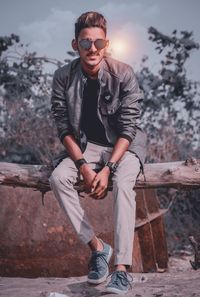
102	195
94	184
99	191
94	193
95	180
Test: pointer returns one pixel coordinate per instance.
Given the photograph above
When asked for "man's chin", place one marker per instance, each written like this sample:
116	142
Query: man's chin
92	62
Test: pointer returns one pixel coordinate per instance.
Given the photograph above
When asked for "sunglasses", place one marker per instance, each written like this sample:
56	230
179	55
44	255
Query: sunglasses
98	43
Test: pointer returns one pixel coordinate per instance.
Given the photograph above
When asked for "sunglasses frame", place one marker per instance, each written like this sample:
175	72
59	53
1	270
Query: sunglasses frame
91	42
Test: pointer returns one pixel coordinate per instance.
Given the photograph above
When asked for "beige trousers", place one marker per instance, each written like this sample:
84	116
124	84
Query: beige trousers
62	182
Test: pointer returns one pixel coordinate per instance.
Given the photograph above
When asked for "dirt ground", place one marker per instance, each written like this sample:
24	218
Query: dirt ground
179	280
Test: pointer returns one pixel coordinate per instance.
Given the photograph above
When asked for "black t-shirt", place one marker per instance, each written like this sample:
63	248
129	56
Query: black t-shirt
90	122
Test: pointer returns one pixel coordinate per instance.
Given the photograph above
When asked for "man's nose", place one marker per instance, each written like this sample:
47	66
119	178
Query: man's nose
93	48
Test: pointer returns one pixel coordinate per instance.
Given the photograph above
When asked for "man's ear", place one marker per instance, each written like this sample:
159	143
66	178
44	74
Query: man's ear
74	45
107	43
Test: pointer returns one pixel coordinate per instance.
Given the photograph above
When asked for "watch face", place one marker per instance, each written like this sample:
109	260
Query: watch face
112	166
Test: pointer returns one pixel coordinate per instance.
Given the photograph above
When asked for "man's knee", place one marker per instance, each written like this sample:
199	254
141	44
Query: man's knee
123	185
61	176
123	195
124	181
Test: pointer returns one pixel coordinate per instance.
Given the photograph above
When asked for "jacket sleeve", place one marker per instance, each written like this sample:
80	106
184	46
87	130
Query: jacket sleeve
130	97
59	109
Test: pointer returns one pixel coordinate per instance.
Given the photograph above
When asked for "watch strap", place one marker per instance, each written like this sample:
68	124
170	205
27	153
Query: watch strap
80	162
112	166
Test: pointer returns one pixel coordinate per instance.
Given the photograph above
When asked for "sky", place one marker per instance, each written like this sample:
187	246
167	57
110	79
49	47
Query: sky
48	26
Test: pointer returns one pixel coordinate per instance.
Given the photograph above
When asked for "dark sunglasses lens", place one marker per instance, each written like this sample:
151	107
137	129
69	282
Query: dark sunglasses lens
85	44
100	43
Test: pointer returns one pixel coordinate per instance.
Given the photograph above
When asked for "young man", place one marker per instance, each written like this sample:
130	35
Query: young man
96	107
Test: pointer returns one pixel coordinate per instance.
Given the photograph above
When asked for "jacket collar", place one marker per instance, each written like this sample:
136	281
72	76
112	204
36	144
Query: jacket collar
100	73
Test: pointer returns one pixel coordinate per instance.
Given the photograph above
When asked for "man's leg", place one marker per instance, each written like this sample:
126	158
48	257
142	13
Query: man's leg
125	207
62	182
124	219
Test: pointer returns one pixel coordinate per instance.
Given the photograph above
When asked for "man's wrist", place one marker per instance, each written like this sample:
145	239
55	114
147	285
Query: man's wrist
106	169
112	166
79	163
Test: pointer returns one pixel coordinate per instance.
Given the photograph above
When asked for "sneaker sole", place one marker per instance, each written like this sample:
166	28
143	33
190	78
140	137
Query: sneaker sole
115	291
101	280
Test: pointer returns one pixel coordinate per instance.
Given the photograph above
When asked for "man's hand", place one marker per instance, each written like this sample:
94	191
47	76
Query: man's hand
88	175
100	184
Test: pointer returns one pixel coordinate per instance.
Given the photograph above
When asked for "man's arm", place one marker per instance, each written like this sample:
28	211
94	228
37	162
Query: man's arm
72	148
59	108
119	149
130	110
75	154
59	111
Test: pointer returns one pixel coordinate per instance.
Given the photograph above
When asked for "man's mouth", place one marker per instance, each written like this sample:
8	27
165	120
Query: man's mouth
91	56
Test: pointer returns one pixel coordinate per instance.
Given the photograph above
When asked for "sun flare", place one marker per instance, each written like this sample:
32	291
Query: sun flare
119	48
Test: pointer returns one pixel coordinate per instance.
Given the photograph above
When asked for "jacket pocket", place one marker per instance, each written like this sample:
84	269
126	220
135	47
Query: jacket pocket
111	108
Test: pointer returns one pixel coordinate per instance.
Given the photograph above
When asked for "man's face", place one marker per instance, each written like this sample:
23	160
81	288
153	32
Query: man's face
92	56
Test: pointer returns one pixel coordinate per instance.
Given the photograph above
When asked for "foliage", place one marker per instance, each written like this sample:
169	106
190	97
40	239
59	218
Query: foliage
172	121
26	129
171	99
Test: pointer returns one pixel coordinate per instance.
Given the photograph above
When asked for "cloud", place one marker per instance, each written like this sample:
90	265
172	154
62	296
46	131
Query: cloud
132	11
51	36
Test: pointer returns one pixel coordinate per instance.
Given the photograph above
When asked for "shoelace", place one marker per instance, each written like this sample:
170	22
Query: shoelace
95	261
121	276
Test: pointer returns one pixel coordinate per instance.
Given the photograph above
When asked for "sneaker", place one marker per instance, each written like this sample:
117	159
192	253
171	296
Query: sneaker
98	265
119	283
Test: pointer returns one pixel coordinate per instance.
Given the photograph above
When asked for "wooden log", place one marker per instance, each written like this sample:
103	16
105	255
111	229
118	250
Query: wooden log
180	174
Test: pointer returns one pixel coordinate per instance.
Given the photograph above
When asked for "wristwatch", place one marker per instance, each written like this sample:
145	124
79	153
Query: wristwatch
112	166
79	163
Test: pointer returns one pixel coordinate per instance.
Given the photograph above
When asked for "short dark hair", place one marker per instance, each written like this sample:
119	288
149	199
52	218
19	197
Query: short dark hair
90	19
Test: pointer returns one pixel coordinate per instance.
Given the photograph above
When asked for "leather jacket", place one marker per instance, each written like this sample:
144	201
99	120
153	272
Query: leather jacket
118	109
